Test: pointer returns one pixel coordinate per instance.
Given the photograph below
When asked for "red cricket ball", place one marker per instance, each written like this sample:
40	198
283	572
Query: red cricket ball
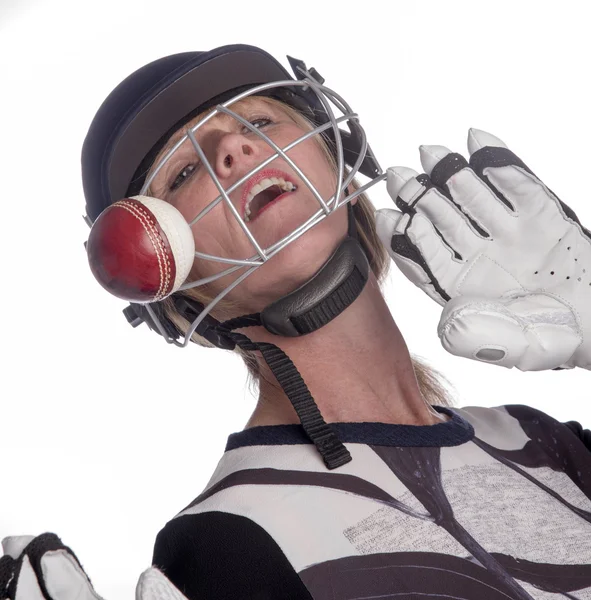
141	249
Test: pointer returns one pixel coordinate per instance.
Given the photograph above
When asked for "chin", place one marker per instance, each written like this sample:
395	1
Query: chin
298	262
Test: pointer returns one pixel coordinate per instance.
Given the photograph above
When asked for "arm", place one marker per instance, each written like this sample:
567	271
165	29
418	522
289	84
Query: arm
583	434
222	556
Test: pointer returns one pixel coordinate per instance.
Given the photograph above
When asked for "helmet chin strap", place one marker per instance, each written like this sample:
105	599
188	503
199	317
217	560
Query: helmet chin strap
314	304
326	295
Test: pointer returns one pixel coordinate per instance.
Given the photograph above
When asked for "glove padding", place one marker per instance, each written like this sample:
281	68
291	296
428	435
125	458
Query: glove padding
509	262
154	585
42	568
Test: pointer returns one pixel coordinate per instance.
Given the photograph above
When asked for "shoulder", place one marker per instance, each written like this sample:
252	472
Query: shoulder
505	414
221	555
516	420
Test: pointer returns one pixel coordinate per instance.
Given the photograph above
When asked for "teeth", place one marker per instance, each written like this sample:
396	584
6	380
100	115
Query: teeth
255	190
286	186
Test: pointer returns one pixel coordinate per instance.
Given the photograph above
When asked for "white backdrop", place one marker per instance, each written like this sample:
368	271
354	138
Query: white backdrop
107	432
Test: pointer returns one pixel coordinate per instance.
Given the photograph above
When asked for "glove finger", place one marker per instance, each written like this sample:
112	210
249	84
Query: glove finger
489	164
478	139
49	570
414	272
25	585
390	226
390	222
523	333
451	224
64	577
413	192
441	262
15	544
487	214
513	181
154	585
397	178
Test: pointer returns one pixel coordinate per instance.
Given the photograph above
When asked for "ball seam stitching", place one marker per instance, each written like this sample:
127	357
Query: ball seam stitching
149	227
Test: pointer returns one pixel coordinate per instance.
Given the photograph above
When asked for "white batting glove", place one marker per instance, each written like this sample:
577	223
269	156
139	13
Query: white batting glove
509	262
154	585
42	568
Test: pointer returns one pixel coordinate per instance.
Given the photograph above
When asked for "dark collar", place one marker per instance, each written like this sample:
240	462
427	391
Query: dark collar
454	432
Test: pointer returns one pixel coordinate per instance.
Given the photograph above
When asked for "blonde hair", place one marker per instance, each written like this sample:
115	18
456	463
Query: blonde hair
432	384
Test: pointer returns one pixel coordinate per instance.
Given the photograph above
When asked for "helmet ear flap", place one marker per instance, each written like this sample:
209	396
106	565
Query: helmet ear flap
352	140
155	318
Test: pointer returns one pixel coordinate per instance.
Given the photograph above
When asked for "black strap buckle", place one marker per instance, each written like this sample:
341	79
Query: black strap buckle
208	328
136	314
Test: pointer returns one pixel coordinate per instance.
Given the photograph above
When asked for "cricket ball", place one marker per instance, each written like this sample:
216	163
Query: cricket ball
141	249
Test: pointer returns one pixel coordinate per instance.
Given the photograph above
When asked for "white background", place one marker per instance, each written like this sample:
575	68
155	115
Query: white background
107	432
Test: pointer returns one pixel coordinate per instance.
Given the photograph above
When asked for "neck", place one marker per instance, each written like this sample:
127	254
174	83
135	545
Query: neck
357	368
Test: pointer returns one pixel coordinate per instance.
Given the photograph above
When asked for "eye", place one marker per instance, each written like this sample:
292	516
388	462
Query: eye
183	175
258	123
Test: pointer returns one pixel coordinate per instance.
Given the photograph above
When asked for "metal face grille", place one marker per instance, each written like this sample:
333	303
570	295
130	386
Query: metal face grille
330	101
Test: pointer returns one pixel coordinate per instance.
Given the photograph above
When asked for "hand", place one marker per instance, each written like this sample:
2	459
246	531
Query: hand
154	585
42	568
509	262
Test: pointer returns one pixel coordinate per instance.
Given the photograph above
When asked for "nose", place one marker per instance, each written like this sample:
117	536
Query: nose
233	149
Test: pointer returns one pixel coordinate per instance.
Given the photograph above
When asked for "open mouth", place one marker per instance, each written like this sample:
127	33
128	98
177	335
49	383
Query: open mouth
263	194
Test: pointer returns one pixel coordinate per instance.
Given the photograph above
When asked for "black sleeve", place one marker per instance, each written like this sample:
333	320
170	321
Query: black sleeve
583	434
220	556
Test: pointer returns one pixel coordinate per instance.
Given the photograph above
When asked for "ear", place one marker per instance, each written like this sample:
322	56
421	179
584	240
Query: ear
350	190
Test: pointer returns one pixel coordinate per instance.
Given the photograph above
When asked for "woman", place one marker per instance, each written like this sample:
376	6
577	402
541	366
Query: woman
400	497
417	500
346	345
285	114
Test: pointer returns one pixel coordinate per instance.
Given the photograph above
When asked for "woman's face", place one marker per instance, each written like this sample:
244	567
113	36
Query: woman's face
270	214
